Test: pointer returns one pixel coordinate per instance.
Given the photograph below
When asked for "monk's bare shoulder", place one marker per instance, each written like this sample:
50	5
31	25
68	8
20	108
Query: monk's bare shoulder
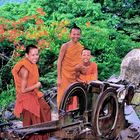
62	53
23	73
64	48
65	45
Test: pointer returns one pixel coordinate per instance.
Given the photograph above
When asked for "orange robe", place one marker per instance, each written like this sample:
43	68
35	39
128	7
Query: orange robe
71	59
90	74
31	105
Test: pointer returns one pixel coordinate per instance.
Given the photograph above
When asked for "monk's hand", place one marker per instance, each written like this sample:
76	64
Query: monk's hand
84	83
38	85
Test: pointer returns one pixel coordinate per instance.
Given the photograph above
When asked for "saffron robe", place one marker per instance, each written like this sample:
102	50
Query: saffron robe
71	59
29	119
27	101
31	105
91	73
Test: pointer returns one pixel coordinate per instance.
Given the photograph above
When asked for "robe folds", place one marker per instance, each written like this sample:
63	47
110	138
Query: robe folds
29	118
71	59
30	101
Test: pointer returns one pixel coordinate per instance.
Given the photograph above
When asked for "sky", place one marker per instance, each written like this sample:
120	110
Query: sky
2	2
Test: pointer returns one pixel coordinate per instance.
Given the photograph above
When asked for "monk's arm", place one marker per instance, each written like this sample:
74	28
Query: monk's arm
59	63
95	74
23	73
77	72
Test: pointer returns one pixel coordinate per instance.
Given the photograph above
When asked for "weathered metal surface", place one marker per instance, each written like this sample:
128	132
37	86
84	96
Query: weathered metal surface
131	133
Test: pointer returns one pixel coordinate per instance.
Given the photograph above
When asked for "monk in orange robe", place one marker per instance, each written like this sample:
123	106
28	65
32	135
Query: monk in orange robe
69	57
29	100
86	71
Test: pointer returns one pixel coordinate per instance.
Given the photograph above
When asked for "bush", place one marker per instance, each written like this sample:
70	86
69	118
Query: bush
7	96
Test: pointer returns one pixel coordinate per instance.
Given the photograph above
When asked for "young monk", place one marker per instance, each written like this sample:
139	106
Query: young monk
86	71
69	57
30	103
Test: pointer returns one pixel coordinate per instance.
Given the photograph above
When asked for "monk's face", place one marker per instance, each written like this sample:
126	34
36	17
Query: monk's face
86	55
33	55
75	35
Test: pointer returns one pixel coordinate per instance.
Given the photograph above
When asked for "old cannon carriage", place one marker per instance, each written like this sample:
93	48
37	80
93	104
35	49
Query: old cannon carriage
101	106
100	112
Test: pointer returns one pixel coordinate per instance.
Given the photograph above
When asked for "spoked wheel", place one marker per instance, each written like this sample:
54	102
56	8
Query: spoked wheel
75	90
105	113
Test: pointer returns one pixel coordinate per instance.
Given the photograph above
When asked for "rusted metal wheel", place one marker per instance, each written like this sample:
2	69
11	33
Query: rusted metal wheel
105	113
78	90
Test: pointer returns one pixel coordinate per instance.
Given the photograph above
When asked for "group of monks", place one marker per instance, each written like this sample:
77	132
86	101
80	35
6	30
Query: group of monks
73	65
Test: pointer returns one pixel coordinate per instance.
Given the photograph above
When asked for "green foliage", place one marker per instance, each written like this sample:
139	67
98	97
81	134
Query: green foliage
49	77
5	52
5	76
7	96
128	11
49	80
46	61
108	47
